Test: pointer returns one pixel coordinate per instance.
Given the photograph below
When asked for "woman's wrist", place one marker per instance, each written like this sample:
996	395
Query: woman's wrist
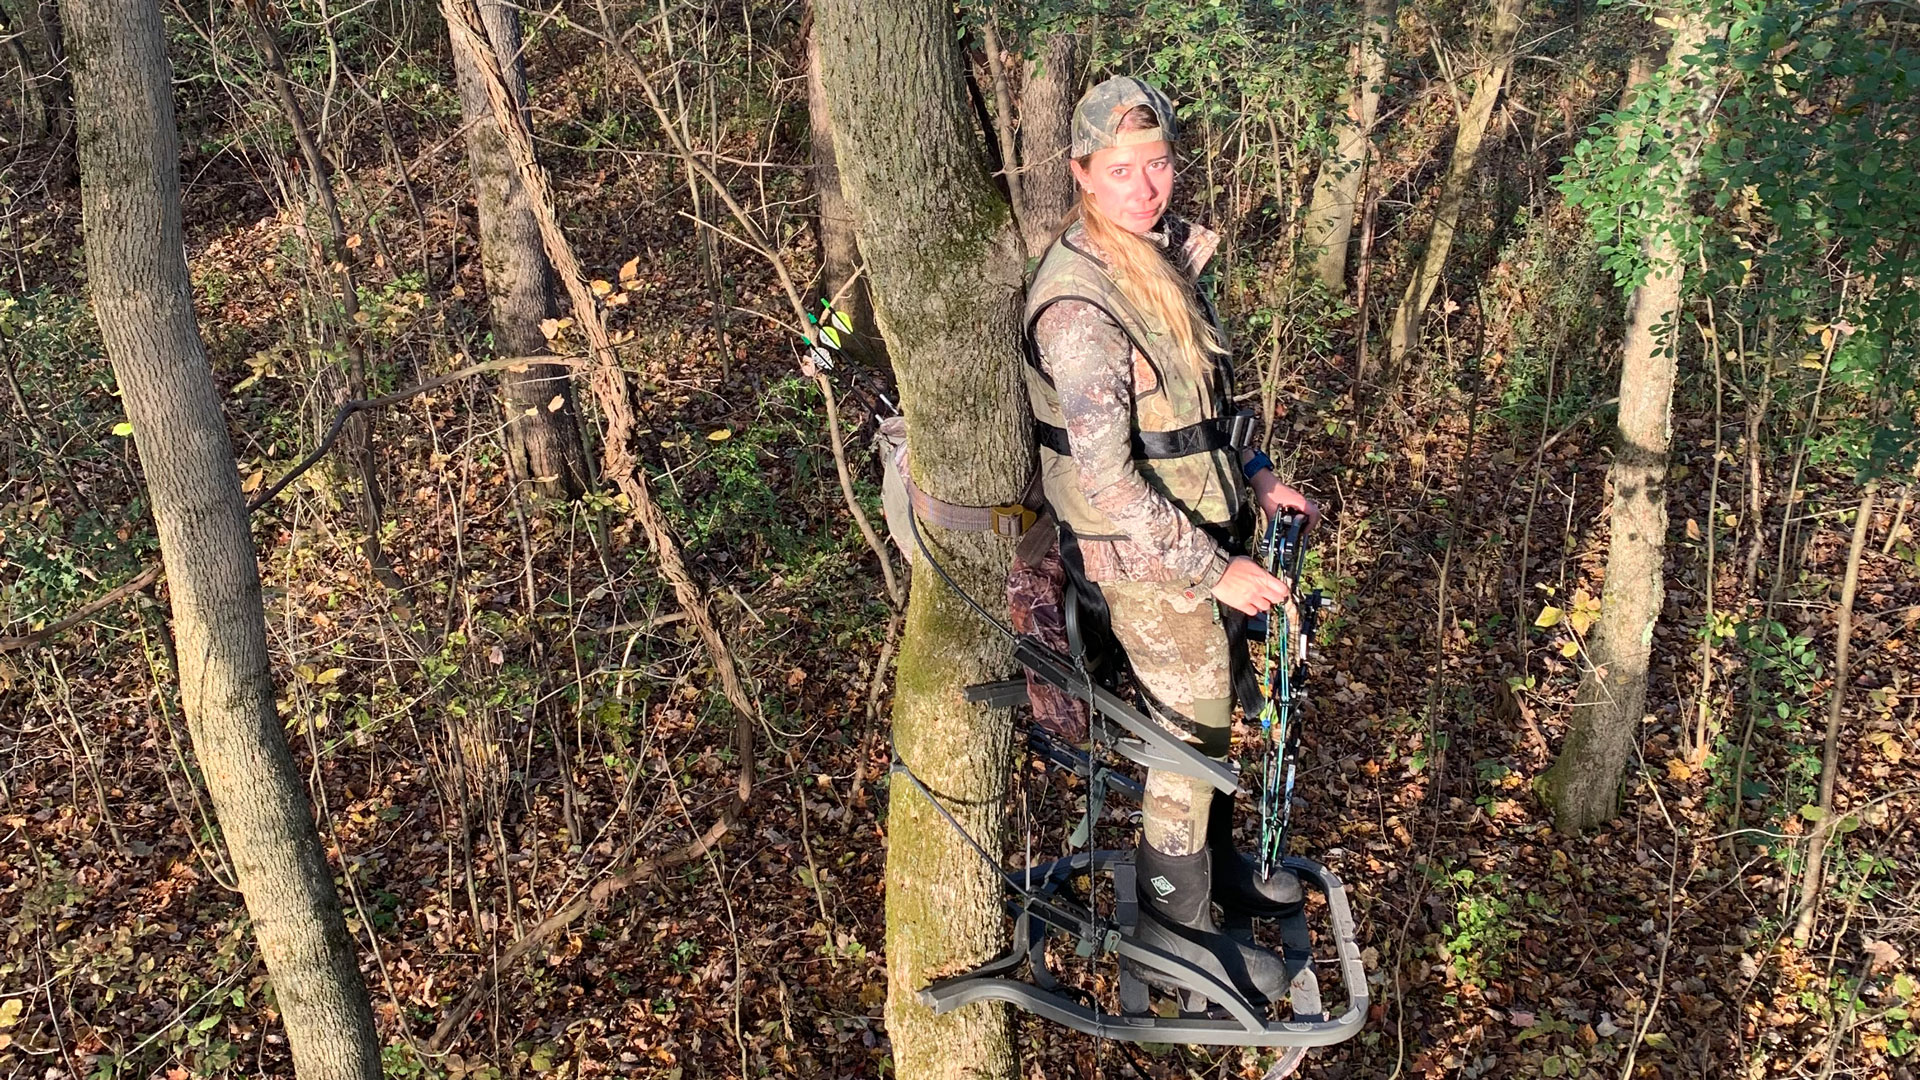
1216	569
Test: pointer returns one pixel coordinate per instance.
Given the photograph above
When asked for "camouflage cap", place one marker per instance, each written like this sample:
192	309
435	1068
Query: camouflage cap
1096	120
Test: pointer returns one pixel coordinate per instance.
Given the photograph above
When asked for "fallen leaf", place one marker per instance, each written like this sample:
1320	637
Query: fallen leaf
1549	617
1879	954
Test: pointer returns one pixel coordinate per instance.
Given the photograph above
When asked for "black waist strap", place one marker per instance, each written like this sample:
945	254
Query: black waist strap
1220	433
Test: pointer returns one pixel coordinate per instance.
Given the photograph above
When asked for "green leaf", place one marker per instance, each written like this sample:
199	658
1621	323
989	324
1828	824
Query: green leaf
123	429
1659	1041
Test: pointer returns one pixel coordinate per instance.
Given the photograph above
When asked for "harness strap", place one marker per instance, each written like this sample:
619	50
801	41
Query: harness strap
1219	433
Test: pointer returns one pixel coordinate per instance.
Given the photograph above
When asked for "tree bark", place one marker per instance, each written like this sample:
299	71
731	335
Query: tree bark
544	447
1583	786
1405	331
839	246
130	191
1047	98
946	265
1336	190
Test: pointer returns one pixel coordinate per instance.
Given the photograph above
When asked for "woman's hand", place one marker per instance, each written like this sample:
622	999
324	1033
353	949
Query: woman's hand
1248	588
1275	496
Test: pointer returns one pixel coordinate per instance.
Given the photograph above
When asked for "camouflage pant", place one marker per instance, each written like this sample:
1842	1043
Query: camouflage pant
1178	648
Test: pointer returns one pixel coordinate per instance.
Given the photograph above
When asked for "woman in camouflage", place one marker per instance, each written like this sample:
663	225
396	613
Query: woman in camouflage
1131	387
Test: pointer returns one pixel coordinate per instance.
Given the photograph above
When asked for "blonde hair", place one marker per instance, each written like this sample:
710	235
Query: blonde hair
1150	280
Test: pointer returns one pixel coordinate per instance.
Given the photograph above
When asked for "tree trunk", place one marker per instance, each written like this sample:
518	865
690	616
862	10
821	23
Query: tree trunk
1810	876
543	435
1405	331
1003	119
61	95
1336	191
839	248
946	266
1047	98
1583	785
130	192
35	111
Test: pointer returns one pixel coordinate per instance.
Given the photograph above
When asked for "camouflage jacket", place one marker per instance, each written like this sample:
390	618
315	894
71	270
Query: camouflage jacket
1103	371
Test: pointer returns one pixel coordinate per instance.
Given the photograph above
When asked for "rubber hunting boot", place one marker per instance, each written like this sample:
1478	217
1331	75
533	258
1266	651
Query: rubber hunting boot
1177	918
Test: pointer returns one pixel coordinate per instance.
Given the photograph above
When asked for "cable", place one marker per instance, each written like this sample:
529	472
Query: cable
913	526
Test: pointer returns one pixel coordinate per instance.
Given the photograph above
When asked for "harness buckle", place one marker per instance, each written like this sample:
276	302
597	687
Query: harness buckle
1012	520
1240	430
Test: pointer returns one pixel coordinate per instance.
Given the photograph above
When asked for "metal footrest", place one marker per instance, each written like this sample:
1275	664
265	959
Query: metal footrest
1243	1025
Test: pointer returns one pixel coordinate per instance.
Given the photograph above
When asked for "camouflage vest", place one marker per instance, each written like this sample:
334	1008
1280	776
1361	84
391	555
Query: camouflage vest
1176	406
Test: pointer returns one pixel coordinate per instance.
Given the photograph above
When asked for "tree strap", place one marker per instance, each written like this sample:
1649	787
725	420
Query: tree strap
1010	520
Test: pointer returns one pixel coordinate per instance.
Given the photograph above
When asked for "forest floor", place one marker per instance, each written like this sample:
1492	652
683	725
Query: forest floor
527	714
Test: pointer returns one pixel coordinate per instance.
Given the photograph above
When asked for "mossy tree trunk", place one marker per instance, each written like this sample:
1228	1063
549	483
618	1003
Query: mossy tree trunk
1047	98
1583	786
543	434
1336	190
130	195
946	266
1405	331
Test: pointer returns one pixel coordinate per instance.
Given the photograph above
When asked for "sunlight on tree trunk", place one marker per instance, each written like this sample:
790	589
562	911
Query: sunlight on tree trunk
1047	96
544	447
1336	191
130	190
1405	331
946	265
1583	785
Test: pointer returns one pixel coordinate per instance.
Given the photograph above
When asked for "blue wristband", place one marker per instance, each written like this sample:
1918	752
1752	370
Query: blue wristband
1252	466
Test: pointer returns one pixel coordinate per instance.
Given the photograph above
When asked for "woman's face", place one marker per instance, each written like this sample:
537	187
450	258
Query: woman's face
1130	184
